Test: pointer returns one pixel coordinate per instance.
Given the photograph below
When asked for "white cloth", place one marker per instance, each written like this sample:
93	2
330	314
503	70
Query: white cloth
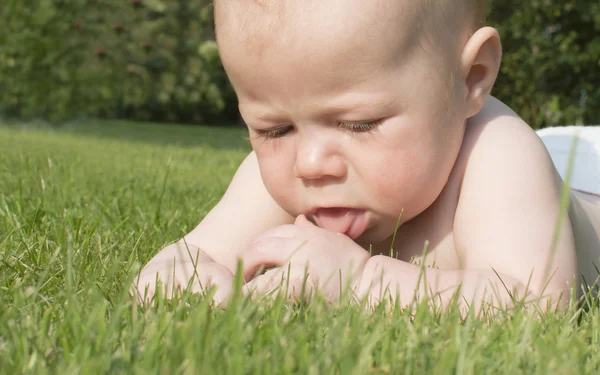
586	164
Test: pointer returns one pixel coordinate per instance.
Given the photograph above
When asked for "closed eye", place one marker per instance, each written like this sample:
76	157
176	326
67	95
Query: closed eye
353	127
360	127
273	133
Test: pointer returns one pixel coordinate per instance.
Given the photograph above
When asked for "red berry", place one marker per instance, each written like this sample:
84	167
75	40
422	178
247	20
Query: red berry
136	3
100	52
119	28
147	45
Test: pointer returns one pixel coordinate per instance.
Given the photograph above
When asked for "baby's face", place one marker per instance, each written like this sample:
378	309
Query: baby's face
352	125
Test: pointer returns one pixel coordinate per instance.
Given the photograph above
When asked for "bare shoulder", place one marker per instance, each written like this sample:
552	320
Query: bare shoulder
498	144
500	149
497	129
509	201
245	210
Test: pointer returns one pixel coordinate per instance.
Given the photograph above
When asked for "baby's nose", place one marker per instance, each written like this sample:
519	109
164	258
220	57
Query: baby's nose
317	159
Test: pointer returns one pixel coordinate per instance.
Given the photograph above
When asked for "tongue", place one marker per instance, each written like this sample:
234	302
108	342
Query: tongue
338	220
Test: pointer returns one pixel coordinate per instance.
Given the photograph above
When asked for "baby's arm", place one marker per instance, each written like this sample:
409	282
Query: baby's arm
245	211
504	225
209	253
387	278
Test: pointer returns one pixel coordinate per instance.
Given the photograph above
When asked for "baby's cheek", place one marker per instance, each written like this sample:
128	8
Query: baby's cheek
388	183
281	189
396	190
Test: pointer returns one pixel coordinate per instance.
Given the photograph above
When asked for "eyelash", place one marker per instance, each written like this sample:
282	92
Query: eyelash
360	127
273	133
356	127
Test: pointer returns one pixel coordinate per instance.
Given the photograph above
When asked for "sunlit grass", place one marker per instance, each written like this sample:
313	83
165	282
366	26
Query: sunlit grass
83	207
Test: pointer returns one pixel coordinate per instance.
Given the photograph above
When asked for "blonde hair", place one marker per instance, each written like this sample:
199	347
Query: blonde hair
462	13
481	7
476	9
440	26
438	22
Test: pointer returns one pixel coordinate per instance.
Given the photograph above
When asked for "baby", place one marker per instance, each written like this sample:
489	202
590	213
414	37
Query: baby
379	155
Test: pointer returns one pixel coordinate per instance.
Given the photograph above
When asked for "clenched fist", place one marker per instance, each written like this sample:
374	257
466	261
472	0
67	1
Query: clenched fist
306	257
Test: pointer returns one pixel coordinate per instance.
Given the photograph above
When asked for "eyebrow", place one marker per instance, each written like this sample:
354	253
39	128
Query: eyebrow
343	105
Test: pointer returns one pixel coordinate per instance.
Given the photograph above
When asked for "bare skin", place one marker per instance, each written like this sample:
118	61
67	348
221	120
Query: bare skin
341	151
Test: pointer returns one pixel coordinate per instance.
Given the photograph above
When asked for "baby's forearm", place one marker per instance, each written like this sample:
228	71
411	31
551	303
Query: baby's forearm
391	279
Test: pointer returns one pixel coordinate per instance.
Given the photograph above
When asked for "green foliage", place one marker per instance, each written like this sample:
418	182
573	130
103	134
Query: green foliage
138	59
38	60
157	60
551	68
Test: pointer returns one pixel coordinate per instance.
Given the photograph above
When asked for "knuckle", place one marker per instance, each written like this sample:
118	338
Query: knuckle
258	248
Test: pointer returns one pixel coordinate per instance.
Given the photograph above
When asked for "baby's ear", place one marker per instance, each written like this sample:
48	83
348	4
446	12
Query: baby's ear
480	64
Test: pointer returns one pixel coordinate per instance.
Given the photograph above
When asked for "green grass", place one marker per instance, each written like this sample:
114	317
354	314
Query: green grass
83	206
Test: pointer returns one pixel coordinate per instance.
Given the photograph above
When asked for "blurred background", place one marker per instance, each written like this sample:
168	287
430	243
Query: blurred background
156	60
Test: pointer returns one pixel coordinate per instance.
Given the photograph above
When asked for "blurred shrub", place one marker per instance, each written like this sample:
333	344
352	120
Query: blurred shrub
551	67
137	59
157	60
39	59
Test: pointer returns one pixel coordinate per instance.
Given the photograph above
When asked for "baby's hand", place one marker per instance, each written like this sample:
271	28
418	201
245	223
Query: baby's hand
178	266
308	257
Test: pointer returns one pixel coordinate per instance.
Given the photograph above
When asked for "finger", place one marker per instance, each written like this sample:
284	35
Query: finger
265	284
294	283
222	294
302	221
142	293
268	252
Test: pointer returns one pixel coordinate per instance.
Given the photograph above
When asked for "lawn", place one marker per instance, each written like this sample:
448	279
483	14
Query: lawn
85	205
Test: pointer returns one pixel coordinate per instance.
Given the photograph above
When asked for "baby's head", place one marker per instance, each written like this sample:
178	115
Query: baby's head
357	104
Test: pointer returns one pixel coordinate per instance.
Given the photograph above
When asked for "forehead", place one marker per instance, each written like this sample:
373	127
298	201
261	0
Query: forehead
329	39
260	25
291	13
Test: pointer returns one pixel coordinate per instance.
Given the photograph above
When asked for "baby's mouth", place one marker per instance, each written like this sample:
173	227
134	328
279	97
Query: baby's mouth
349	221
